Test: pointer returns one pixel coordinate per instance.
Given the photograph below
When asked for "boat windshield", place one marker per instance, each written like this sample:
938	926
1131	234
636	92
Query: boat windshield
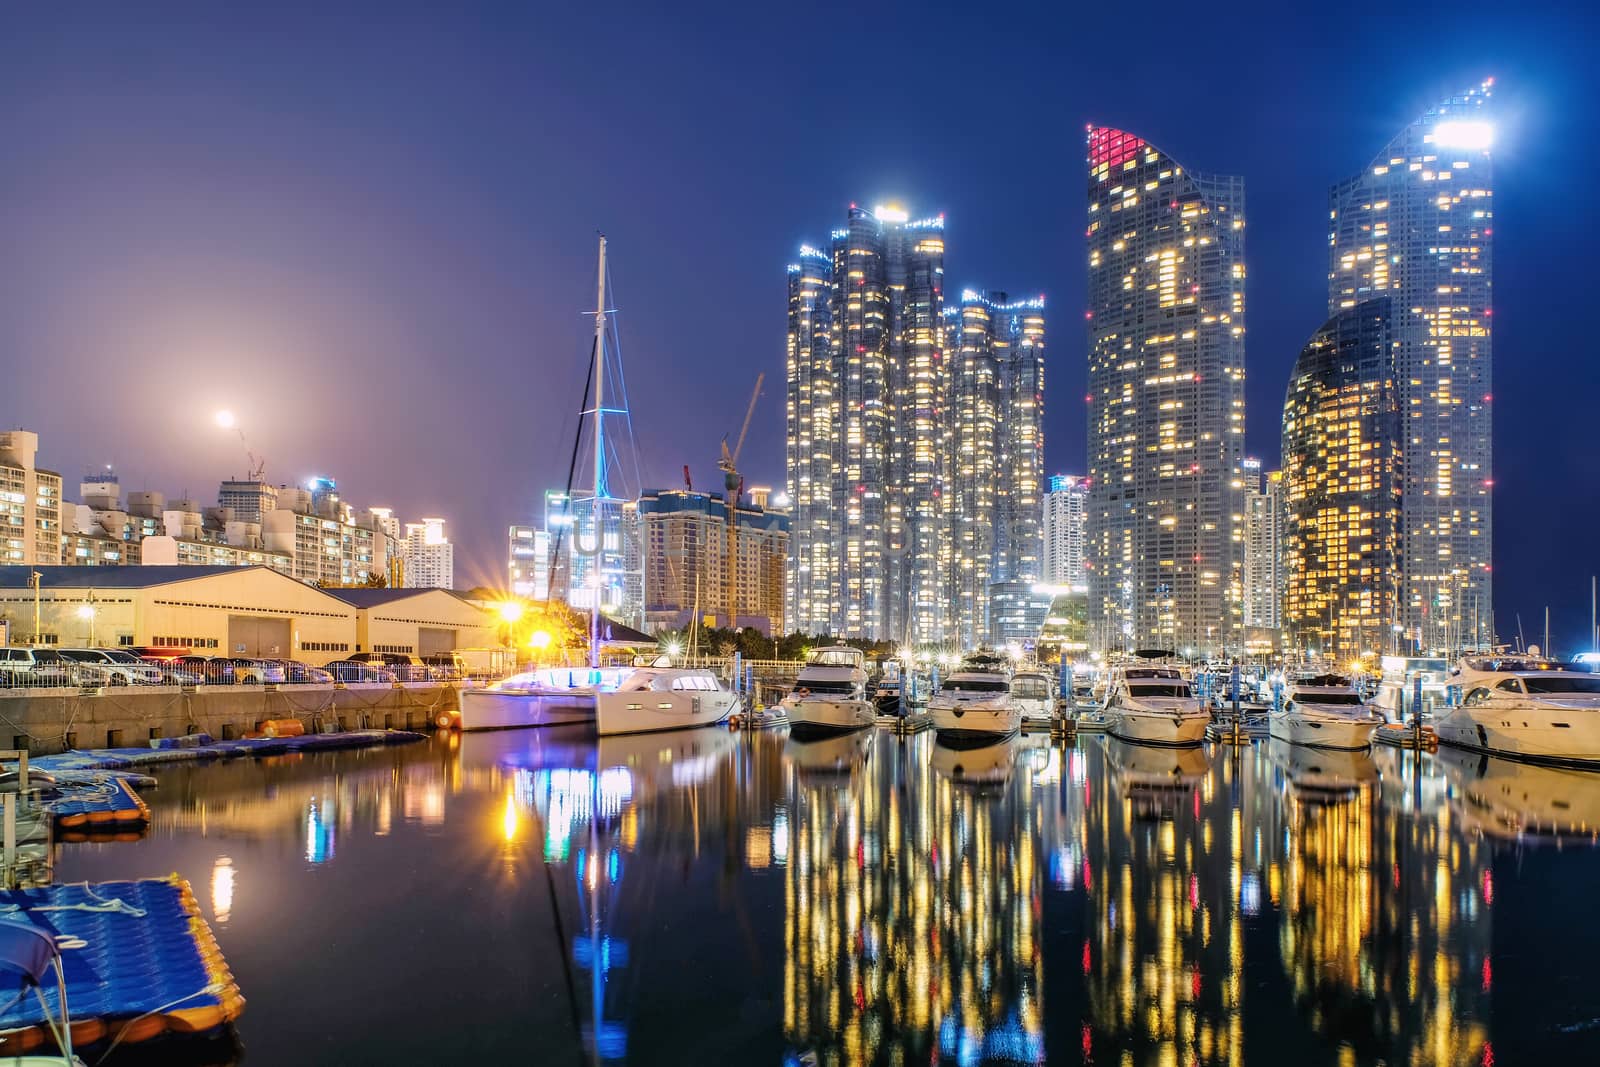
974	685
835	657
1031	688
1328	698
1551	684
841	686
1156	689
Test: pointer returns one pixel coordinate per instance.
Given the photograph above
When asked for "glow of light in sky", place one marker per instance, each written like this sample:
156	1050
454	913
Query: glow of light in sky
226	420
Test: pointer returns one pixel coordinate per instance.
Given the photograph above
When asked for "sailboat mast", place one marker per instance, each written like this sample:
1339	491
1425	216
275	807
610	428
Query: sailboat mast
599	452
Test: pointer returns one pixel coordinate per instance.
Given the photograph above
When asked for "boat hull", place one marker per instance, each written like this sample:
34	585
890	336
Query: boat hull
818	717
1155	728
1322	731
975	723
491	709
648	711
1569	736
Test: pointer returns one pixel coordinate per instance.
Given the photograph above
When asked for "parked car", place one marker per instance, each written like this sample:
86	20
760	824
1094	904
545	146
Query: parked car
27	667
234	670
297	673
446	666
166	674
404	667
173	672
114	670
348	670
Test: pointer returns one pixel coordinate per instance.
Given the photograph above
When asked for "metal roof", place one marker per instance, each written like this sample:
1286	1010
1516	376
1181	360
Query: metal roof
126	577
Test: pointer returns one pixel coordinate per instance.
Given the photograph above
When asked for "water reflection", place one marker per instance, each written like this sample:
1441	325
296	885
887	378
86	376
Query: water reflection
711	896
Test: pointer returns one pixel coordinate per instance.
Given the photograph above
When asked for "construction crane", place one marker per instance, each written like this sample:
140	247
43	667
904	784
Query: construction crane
728	464
732	484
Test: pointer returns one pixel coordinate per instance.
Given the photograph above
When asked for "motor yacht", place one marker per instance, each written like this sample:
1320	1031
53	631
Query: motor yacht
1154	706
974	705
663	698
830	693
550	696
1324	711
1033	693
1523	707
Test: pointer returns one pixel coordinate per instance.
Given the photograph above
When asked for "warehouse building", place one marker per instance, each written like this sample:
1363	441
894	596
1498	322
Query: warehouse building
242	611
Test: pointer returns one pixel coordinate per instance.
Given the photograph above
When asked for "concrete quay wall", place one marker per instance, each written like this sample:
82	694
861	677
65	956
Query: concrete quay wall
52	720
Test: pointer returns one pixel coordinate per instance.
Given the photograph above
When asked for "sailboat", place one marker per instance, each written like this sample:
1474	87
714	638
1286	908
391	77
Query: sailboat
557	695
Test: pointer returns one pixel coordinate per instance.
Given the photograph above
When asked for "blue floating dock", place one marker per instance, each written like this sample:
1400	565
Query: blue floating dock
126	758
107	804
139	960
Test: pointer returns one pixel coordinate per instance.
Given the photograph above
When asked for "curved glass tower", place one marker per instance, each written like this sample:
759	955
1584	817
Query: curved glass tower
1417	224
1166	394
1341	473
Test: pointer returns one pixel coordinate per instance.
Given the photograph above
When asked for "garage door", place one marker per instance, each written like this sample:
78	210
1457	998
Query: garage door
432	642
254	635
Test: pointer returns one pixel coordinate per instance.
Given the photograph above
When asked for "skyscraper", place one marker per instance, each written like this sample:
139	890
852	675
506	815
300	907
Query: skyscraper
1417	223
995	350
915	440
864	358
1263	547
1065	511
1341	470
813	414
430	557
1166	385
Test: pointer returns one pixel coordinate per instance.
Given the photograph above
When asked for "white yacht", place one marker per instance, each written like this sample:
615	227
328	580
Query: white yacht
663	698
550	696
1523	707
1324	711
1154	706
1033	692
974	704
830	694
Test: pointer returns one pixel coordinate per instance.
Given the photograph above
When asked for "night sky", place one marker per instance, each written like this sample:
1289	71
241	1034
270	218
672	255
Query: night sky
370	232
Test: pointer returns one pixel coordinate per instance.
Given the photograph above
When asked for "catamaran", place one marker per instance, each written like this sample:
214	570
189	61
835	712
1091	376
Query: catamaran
558	695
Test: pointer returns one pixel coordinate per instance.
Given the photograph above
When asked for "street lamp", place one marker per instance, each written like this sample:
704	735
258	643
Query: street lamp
87	612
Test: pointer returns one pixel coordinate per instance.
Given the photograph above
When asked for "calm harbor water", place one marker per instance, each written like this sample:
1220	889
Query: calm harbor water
538	896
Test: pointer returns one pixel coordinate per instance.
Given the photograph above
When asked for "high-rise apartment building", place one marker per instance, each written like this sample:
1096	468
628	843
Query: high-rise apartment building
995	351
529	562
696	559
1166	385
429	556
1065	513
915	443
30	503
1263	547
249	500
1418	224
1342	477
813	412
